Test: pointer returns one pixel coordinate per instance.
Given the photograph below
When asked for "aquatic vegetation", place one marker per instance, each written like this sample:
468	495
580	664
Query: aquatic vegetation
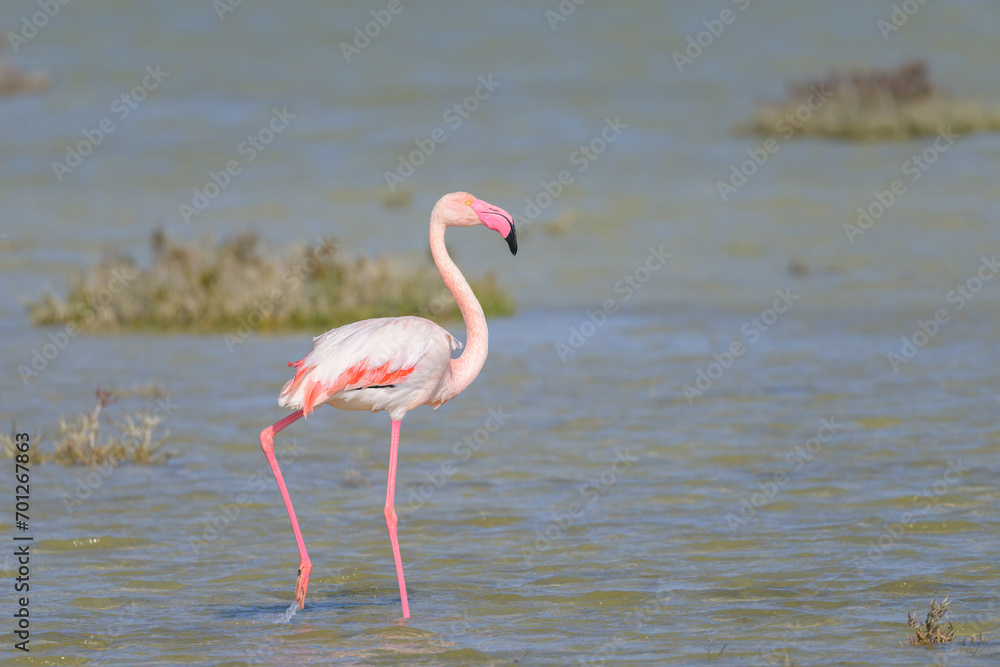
937	629
873	105
232	286
79	441
931	631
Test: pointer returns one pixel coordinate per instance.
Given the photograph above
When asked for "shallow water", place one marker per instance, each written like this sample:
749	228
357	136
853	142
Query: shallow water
791	513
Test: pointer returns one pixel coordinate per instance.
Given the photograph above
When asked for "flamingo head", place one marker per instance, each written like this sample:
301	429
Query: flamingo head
460	209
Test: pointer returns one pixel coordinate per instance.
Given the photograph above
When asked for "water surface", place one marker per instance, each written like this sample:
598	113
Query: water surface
792	512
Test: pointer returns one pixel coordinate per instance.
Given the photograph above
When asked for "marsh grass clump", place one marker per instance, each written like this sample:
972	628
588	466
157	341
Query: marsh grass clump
209	287
81	440
932	631
873	105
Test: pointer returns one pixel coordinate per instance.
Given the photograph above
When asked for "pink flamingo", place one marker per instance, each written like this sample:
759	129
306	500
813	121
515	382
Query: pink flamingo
393	364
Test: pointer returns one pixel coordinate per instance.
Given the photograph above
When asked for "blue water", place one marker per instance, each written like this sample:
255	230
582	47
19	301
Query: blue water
789	507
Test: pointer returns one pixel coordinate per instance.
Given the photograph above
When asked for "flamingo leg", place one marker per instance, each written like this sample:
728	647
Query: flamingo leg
391	520
305	565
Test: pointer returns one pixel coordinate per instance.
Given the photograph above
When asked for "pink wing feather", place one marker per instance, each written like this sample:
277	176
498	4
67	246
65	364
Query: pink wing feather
381	351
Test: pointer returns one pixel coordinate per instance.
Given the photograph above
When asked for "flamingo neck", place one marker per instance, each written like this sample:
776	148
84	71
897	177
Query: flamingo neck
466	367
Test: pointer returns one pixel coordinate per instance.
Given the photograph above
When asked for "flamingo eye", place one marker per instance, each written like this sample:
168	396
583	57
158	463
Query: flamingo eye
468	202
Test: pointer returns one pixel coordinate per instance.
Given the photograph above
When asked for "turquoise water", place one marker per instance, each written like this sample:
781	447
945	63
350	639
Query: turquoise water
789	507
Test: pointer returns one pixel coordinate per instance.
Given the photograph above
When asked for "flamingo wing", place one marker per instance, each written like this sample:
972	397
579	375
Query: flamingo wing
370	353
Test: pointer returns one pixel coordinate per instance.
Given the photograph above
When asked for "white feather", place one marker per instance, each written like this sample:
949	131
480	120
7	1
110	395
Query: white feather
390	344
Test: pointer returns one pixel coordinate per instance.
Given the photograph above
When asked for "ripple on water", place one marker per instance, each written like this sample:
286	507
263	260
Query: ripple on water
101	603
101	543
909	587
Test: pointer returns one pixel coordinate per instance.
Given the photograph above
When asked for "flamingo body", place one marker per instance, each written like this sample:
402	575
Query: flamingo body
393	364
389	363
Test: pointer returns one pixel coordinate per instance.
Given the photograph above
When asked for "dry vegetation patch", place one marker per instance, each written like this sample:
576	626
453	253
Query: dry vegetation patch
872	105
207	286
937	629
96	438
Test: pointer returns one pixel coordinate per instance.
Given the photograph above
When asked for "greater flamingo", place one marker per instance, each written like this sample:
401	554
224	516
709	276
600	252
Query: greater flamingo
393	364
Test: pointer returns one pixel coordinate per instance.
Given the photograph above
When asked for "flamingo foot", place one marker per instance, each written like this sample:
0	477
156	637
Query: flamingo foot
302	583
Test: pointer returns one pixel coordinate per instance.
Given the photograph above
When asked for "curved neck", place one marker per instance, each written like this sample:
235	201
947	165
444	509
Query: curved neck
466	367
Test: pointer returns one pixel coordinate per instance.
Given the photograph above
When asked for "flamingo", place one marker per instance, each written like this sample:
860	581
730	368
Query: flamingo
393	364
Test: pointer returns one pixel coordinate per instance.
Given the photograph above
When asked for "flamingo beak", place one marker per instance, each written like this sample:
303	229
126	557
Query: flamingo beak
512	239
498	220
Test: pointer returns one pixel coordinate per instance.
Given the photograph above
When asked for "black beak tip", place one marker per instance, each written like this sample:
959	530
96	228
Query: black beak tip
512	240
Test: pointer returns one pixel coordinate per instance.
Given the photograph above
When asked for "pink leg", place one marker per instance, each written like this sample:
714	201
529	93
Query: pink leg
305	565
390	516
